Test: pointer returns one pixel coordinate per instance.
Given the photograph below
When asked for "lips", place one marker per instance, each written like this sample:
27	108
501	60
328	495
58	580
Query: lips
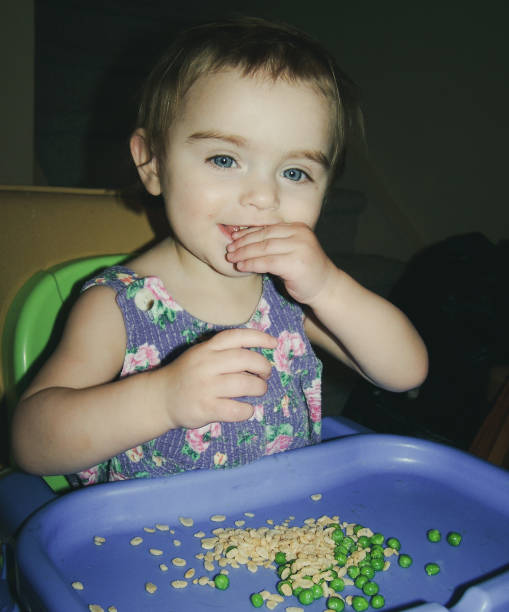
229	229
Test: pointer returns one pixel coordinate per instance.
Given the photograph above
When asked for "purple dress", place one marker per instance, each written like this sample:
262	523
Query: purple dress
288	416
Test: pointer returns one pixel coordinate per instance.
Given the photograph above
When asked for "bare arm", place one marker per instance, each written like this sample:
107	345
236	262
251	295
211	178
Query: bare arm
73	416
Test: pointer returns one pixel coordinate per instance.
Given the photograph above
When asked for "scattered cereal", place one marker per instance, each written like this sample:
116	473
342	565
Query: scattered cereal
186	521
218	518
78	586
316	496
136	541
99	540
163	567
240	523
95	608
150	587
179	584
190	573
112	609
199	534
149	529
294	609
249	514
179	562
177	542
162	527
157	552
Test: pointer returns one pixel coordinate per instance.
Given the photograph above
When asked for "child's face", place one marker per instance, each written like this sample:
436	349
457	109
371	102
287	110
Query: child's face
243	151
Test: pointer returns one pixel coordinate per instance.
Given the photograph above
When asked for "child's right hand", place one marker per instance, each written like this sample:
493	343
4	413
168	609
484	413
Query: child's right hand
200	384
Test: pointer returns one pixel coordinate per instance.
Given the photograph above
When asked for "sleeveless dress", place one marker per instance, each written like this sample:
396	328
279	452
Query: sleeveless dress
158	330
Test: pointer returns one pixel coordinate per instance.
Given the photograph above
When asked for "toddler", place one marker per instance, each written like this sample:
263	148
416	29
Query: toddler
197	353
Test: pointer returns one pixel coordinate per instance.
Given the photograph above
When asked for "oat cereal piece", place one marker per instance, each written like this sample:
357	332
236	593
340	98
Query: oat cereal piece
112	609
179	584
150	587
163	567
186	521
316	496
200	534
270	604
218	518
156	552
240	523
249	514
177	543
162	527
203	580
95	608
179	562
208	543
149	529
252	567
190	573
99	540
77	586
286	589
136	541
209	566
294	609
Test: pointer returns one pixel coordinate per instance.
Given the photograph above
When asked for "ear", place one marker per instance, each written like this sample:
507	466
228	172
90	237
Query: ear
146	163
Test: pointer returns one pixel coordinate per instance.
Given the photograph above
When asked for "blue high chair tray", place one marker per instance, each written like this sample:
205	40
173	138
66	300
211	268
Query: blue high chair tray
398	486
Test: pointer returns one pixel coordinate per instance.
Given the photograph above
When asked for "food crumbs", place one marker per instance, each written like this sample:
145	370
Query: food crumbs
190	573
186	521
316	496
240	523
150	587
177	542
157	552
78	586
112	609
162	527
136	541
199	534
249	514
179	562
163	567
294	609
95	608
99	540
149	529
218	518
179	584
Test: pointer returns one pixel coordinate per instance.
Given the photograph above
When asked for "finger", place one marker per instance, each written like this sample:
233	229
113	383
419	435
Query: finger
257	234
231	411
241	384
243	360
242	337
273	246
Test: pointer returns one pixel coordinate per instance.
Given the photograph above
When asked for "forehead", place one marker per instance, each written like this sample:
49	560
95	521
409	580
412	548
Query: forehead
258	109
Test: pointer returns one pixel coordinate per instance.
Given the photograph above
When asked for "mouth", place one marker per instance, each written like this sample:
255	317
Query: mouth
229	229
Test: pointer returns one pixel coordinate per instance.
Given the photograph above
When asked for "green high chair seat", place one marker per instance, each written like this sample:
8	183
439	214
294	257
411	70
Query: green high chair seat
35	322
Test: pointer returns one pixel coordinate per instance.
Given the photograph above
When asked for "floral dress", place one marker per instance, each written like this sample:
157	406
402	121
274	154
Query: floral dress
158	329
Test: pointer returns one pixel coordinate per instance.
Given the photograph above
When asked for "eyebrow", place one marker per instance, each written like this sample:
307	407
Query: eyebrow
315	156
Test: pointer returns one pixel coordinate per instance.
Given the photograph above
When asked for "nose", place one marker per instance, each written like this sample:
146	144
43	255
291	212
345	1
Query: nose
260	192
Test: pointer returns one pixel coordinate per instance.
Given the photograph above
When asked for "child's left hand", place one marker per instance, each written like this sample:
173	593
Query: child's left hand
288	250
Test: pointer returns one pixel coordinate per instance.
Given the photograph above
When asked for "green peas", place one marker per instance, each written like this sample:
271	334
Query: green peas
317	591
361	581
377	539
370	588
280	558
337	584
333	574
432	569
359	603
363	542
353	571
394	543
405	560
297	591
340	558
337	535
367	571
454	538
335	603
256	600
221	581
348	542
357	528
281	568
377	602
377	564
434	535
377	552
306	597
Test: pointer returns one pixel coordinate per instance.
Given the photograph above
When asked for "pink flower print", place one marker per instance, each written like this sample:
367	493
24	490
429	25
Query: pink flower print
258	413
90	476
289	345
115	476
127	279
159	292
220	459
313	395
278	445
199	439
135	454
285	403
144	357
260	320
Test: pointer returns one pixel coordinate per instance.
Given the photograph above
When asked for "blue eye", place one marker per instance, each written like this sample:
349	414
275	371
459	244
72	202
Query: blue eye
294	174
223	161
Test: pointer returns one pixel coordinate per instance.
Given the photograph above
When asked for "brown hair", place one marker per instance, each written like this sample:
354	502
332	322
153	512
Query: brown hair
251	45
